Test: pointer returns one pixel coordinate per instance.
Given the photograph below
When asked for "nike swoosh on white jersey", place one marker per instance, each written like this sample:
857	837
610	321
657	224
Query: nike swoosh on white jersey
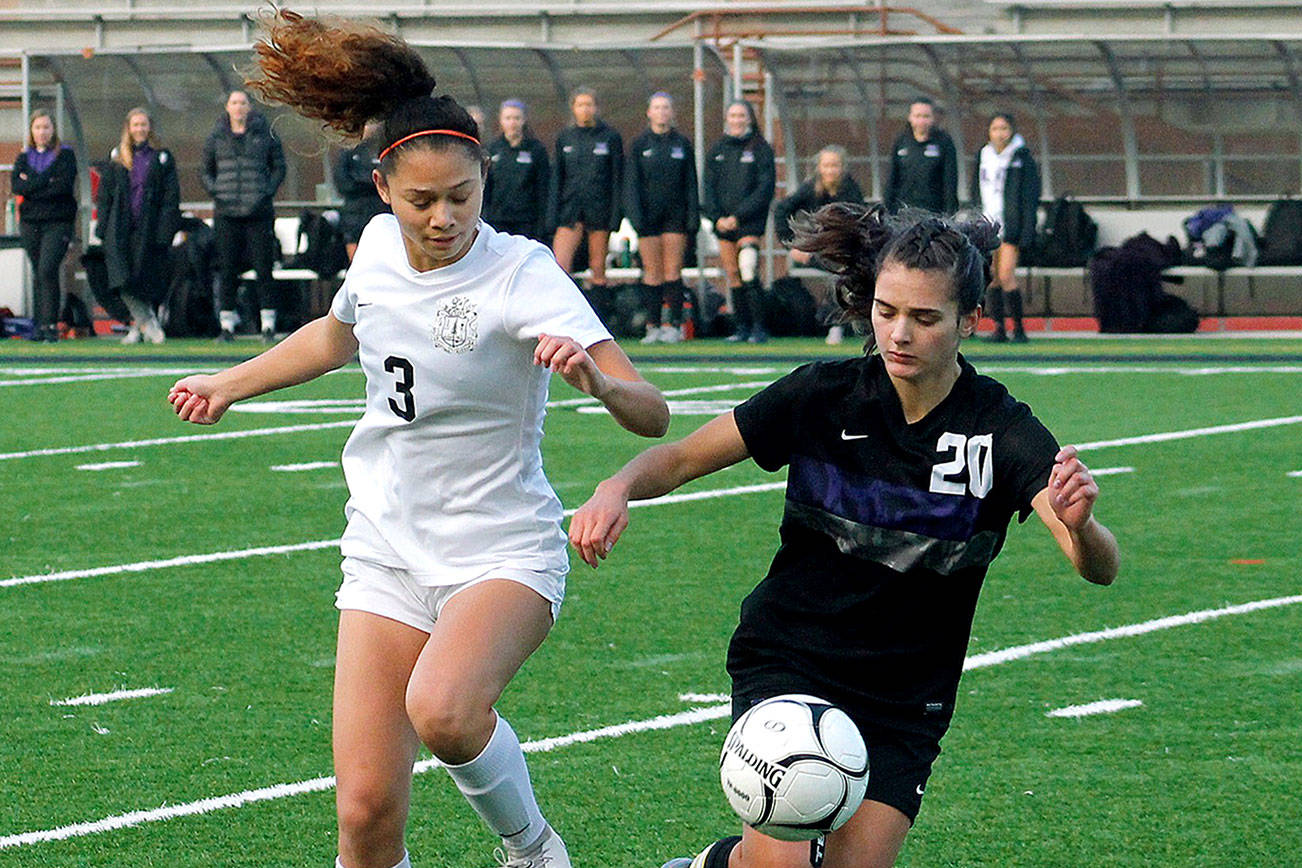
847	436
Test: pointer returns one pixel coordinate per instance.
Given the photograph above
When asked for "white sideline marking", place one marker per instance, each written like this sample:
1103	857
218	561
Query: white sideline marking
1017	652
315	465
101	698
73	374
670	393
181	561
79	378
316	785
1192	432
212	557
1103	706
704	697
668	721
713	407
108	465
1110	471
186	438
1295	473
1210	370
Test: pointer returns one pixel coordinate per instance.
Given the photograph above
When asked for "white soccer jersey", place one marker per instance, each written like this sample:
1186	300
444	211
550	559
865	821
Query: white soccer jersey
444	469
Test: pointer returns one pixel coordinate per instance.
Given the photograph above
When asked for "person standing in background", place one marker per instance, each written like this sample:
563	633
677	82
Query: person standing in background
356	186
924	165
1006	187
45	175
830	183
738	190
243	166
661	201
587	183
519	175
139	211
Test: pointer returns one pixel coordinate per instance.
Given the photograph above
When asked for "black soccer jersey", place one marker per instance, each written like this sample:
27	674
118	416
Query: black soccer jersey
888	530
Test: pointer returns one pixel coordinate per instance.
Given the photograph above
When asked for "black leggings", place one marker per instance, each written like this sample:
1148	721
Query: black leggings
46	243
244	242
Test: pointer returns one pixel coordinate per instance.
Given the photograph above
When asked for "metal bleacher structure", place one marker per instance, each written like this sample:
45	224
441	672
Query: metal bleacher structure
1144	110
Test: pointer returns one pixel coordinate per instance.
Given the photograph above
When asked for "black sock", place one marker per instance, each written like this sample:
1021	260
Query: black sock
673	296
741	307
995	306
651	302
1015	308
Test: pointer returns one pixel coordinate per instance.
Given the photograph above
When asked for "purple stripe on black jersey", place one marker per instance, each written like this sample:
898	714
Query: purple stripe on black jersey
864	500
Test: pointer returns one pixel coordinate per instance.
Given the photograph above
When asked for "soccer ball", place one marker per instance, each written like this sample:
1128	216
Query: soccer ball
794	767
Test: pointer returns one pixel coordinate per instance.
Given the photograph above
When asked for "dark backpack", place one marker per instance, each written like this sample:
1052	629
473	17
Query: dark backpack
1281	235
789	309
325	252
1068	236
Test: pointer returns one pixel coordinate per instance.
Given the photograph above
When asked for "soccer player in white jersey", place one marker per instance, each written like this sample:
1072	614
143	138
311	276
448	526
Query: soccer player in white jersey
905	468
454	557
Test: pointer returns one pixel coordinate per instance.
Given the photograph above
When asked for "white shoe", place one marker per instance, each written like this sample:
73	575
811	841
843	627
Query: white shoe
552	854
682	862
669	335
132	336
835	335
152	331
652	335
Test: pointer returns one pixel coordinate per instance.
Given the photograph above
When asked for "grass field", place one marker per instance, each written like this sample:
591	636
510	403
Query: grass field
139	575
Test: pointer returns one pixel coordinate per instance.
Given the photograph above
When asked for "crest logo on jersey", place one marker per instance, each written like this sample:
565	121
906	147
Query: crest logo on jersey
456	326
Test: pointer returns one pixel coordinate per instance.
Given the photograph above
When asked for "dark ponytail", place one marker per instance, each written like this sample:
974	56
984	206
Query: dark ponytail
857	240
345	74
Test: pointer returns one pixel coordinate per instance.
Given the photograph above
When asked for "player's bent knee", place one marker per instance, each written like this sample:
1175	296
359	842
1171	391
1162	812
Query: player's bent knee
451	724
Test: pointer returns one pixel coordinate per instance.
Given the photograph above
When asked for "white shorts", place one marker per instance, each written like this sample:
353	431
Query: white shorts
392	592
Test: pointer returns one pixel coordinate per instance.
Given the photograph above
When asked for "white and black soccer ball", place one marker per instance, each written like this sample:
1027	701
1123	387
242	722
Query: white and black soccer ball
794	767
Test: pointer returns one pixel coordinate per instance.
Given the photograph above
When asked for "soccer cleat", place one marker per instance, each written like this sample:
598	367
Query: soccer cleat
1019	336
132	336
226	336
652	335
758	336
669	334
835	335
268	336
738	337
999	336
549	853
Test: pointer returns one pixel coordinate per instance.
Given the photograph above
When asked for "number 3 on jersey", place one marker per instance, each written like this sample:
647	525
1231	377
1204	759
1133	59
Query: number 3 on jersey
976	453
407	409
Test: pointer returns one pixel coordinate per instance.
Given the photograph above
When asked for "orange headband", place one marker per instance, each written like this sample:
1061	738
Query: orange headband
404	139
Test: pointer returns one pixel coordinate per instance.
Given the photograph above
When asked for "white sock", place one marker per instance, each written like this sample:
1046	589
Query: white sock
496	783
141	313
229	320
405	863
268	319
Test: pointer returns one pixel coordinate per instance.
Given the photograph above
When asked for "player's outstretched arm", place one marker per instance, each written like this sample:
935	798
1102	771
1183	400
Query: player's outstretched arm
1066	506
322	345
597	525
604	372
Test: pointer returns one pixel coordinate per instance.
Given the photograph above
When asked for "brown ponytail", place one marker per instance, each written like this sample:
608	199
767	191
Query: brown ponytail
339	72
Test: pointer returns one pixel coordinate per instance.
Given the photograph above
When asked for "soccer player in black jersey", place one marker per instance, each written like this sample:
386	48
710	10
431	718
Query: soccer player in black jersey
519	175
905	468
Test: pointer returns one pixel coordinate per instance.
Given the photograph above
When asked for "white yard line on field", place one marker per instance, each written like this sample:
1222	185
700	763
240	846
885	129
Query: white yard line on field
1192	432
185	438
237	554
116	695
671	393
1110	471
73	374
662	722
307	465
109	465
1103	706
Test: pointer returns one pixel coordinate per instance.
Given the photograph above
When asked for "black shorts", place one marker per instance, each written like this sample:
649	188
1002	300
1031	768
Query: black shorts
901	747
660	224
739	233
